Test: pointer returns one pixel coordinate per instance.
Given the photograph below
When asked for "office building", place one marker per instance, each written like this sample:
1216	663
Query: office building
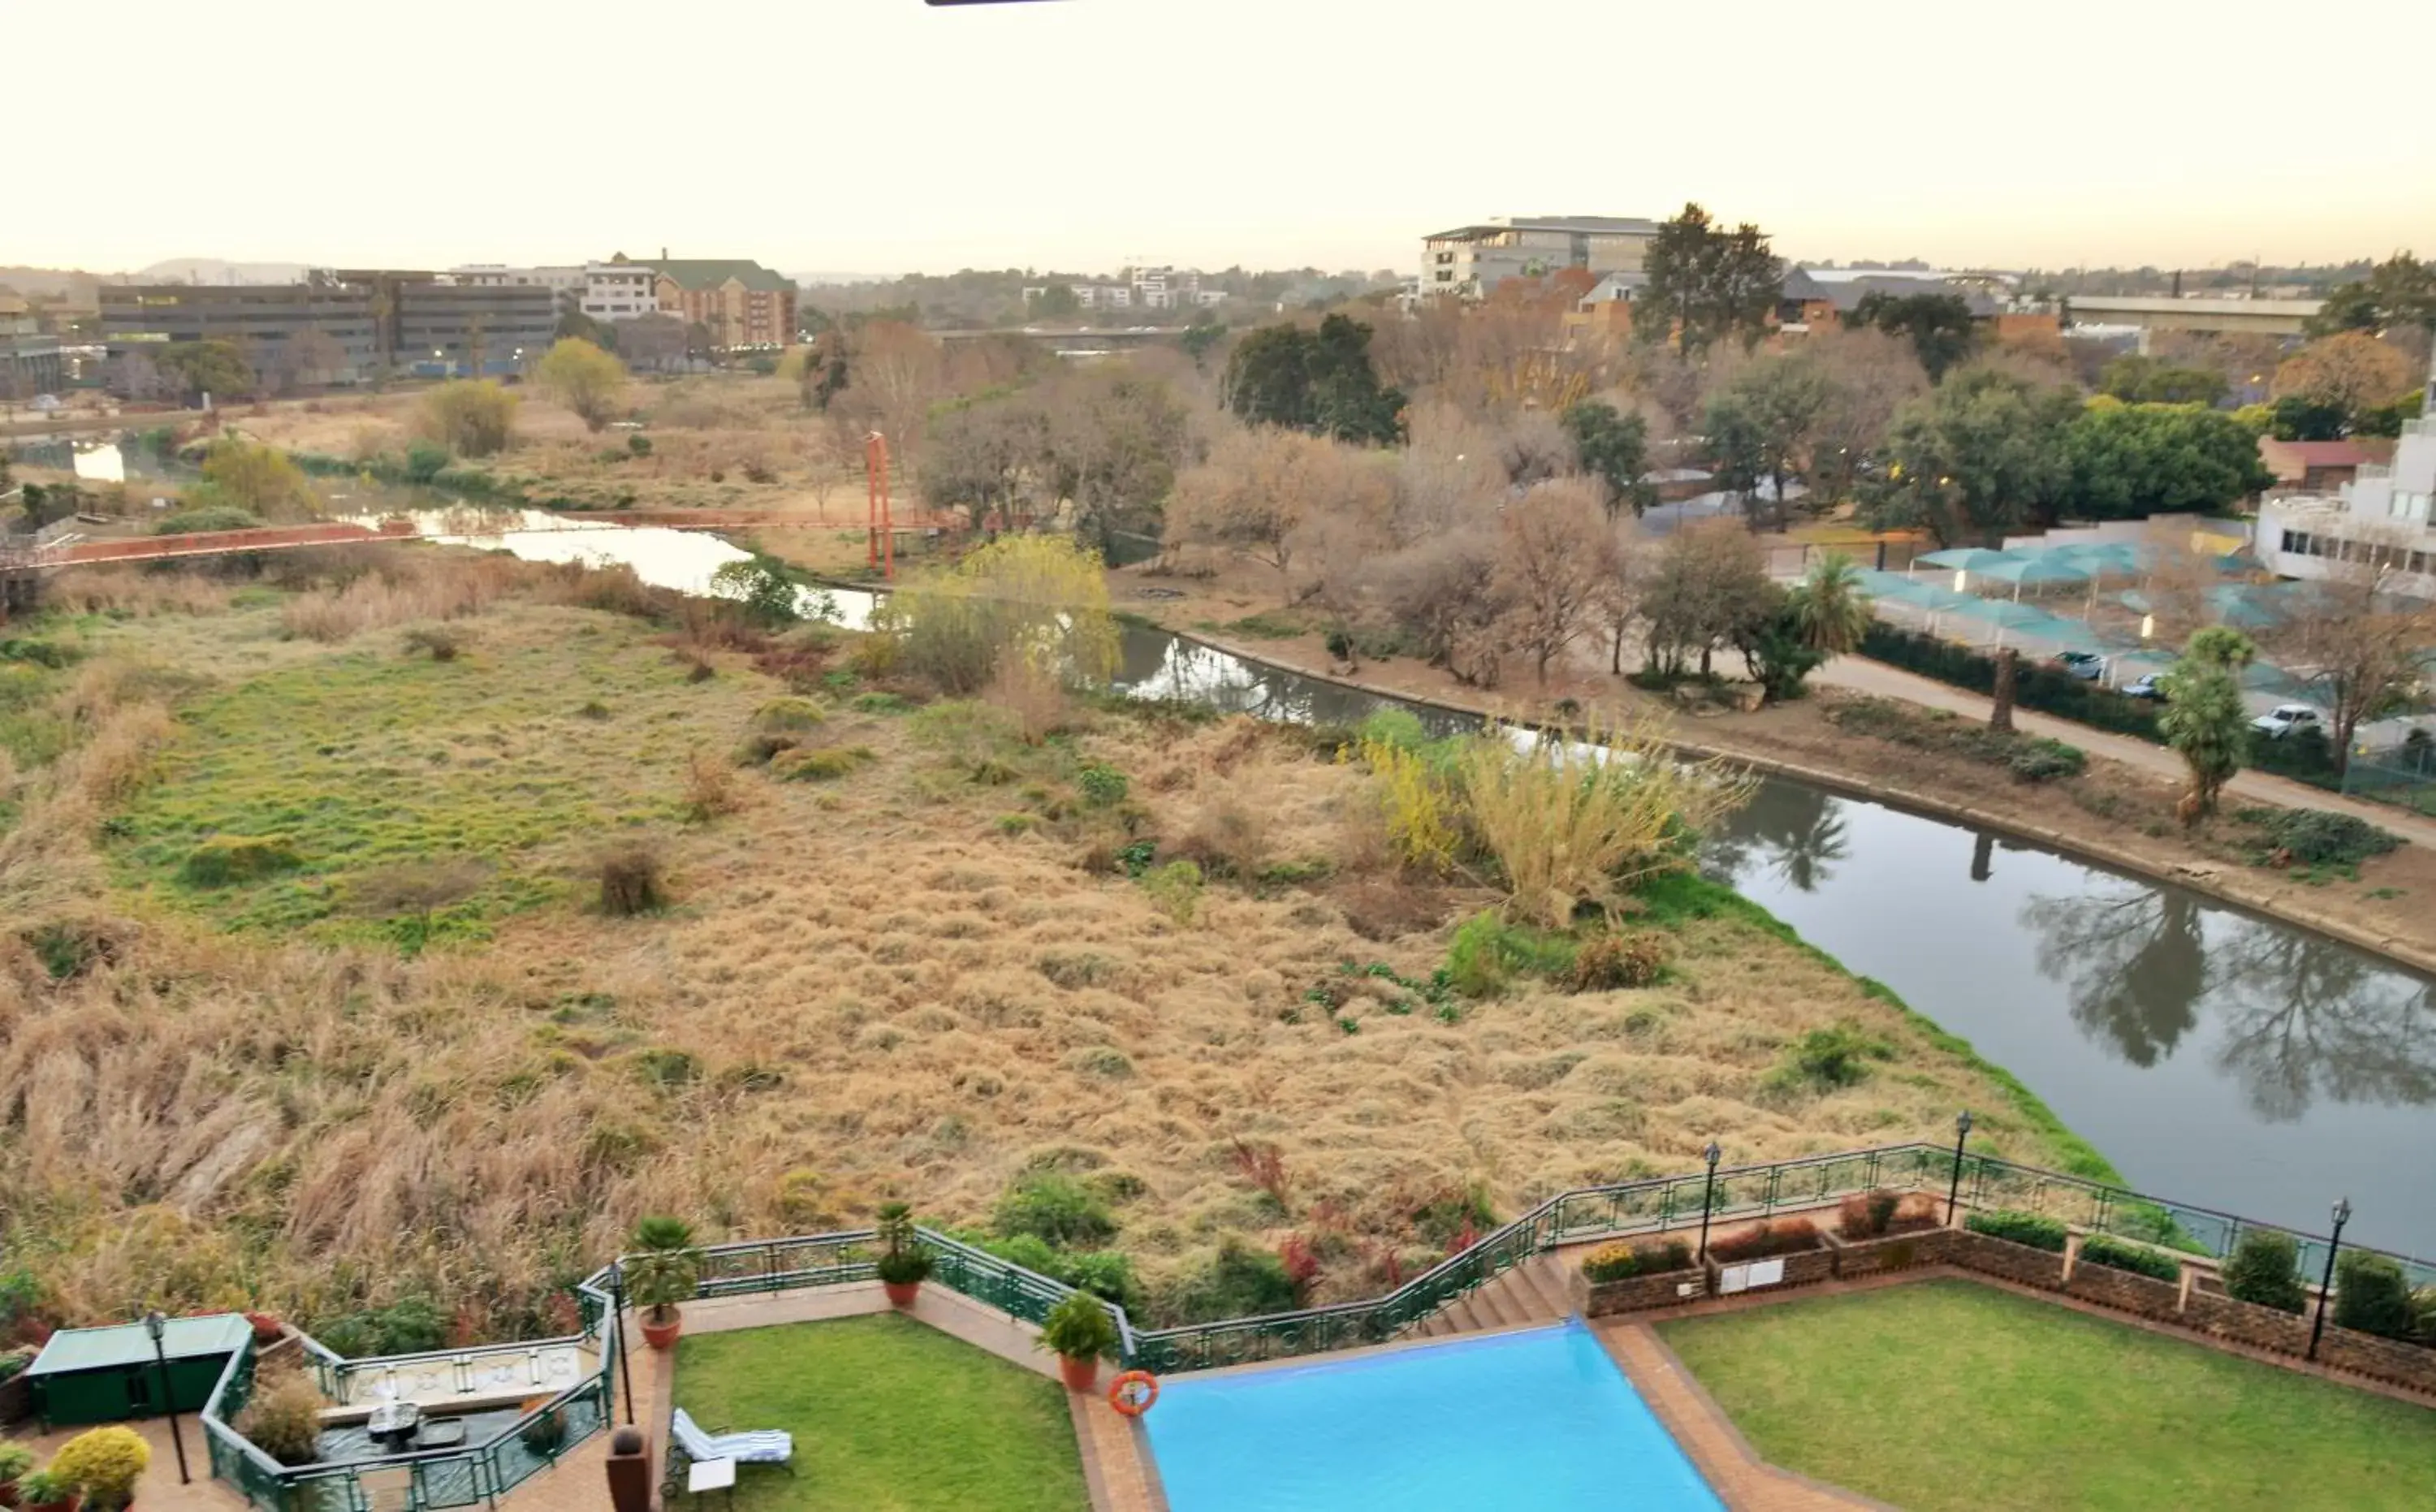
1471	261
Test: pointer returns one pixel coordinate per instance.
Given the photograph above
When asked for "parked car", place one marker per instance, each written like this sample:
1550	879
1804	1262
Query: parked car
2087	665
2285	719
2149	685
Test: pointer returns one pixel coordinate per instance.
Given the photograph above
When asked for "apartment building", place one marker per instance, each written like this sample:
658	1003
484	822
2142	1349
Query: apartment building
260	320
566	283
620	290
741	302
1471	261
2383	514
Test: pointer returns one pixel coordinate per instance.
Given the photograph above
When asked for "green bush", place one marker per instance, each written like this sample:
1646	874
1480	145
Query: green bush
2317	838
1103	1273
1176	889
1619	1262
1239	1281
2099	1249
49	653
1825	1059
425	462
225	860
1101	785
824	764
2264	1269
2048	690
2033	1229
2039	759
789	716
2373	1295
880	703
1055	1208
1488	952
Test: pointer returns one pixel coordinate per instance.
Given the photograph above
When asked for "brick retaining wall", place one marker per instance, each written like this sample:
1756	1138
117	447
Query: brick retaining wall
1634	1293
1895	1252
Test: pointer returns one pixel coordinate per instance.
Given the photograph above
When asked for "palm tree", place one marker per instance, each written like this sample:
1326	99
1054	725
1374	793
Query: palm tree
1829	606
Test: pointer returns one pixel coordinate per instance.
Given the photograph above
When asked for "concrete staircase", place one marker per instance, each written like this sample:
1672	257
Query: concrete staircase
1532	1293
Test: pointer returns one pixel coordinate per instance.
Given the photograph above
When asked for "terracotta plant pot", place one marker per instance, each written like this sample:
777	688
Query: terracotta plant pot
67	1506
663	1335
1081	1375
901	1293
8	1493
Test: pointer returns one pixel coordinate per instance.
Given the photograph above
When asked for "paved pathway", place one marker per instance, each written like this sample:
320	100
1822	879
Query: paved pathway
1862	675
159	1491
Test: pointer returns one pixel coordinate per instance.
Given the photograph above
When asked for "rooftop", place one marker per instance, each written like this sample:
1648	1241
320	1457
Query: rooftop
1583	225
2157	305
128	1344
709	272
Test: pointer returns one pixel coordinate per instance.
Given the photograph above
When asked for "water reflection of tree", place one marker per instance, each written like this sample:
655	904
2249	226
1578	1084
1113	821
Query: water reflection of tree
2303	1018
1799	832
2135	965
2306	1018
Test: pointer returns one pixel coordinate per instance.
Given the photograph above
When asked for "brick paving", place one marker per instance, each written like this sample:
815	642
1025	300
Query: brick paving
159	1491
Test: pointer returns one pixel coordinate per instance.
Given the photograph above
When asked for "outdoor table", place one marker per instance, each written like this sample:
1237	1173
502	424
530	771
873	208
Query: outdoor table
711	1475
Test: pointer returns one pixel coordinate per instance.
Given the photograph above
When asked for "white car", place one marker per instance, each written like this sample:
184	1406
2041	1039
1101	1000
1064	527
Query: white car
2285	719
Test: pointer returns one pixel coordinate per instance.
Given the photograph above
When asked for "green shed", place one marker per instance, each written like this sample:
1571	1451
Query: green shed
110	1374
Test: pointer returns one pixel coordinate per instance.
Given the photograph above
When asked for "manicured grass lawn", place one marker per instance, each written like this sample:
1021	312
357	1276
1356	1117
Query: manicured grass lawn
1952	1397
889	1416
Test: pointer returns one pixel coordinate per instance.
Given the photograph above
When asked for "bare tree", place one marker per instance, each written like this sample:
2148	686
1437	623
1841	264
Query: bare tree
1555	560
1444	592
1532	448
1262	489
898	374
1707	586
2354	637
987	457
1871	373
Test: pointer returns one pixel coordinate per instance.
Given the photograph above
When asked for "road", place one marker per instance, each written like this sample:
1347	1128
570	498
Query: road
1862	675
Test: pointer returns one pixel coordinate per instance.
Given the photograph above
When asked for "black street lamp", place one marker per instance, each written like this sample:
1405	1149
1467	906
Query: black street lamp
617	1325
1953	1187
2326	1286
158	1326
1709	1194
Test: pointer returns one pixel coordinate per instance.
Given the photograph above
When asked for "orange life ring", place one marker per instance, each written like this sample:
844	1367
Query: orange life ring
1132	1392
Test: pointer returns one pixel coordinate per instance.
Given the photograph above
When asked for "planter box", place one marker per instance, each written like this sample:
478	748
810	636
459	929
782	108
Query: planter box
2127	1290
1635	1293
1931	1245
2263	1327
2002	1257
1800	1267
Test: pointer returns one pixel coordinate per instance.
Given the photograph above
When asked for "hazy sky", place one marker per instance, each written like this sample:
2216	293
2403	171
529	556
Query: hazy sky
885	135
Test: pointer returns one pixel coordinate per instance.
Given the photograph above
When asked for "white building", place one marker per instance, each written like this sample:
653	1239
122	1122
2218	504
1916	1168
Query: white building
567	283
619	292
2382	514
1471	261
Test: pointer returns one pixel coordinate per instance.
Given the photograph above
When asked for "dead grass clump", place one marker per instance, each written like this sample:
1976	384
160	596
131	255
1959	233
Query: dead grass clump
1228	837
284	1417
442	643
631	880
1389	908
133	591
614	589
710	791
438	586
1032	695
821	764
116	758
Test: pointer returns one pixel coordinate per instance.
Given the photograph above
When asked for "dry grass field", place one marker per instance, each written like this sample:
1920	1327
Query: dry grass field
913	955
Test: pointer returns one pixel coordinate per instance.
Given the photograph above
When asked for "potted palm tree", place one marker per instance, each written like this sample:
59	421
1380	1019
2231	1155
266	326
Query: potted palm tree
46	1491
663	1273
16	1461
1080	1333
904	1262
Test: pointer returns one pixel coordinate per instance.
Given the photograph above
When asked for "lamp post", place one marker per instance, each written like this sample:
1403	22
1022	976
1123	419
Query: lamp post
1709	1194
158	1326
2326	1286
617	1325
1953	1187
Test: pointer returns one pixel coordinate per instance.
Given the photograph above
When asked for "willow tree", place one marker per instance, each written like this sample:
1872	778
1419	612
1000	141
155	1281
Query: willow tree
1030	605
2204	720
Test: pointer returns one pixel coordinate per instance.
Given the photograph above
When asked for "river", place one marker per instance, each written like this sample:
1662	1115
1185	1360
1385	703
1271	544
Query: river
2216	1057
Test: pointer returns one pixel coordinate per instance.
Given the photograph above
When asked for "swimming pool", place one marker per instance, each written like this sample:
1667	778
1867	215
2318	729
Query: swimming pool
1540	1419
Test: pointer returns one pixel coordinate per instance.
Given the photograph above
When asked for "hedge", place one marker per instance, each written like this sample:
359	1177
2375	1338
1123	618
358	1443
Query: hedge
2097	1249
2036	686
2022	1228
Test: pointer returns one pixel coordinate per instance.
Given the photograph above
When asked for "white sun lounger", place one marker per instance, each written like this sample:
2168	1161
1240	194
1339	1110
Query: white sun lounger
768	1446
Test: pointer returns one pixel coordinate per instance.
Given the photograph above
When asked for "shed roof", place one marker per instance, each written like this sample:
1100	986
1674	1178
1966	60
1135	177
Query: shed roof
126	1344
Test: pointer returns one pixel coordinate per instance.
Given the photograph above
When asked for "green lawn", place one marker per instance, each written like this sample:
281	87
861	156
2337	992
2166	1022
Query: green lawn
889	1416
1952	1397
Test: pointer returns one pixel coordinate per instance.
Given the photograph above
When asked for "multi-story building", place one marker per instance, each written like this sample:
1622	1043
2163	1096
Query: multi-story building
1105	296
1164	289
30	359
260	320
566	283
2381	516
620	290
743	303
1471	261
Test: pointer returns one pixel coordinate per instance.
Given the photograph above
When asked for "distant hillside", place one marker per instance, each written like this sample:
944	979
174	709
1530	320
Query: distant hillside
213	271
50	283
816	280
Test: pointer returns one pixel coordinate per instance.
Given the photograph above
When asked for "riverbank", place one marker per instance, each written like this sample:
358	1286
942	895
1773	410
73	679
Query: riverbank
2117	814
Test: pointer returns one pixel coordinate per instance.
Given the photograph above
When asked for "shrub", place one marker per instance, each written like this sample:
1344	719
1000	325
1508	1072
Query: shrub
1782	1236
1238	1281
789	716
1042	597
471	417
1867	1214
1080	1329
1829	1058
710	789
881	703
2264	1269
545	1434
1618	1261
2039	759
2034	1229
630	882
104	1464
226	859
824	764
425	462
640	446
1057	1210
2100	1249
1175	889
442	641
204	518
2373	1295
1102	786
44	1488
1486	953
2048	690
1607	962
2316	838
283	1419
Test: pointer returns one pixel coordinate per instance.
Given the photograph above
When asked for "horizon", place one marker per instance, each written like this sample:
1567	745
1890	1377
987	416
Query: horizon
1103	172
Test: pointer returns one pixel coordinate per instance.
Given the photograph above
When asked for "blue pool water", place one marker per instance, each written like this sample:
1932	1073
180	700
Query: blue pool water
1537	1421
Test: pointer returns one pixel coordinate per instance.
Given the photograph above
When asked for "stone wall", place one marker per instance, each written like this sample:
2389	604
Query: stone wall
2002	1257
1804	1267
1634	1293
2126	1290
1895	1252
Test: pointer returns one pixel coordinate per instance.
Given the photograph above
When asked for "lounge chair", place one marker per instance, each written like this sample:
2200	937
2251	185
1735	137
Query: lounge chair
768	1446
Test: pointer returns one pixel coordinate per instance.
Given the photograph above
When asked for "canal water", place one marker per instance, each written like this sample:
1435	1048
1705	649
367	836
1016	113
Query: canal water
2216	1058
